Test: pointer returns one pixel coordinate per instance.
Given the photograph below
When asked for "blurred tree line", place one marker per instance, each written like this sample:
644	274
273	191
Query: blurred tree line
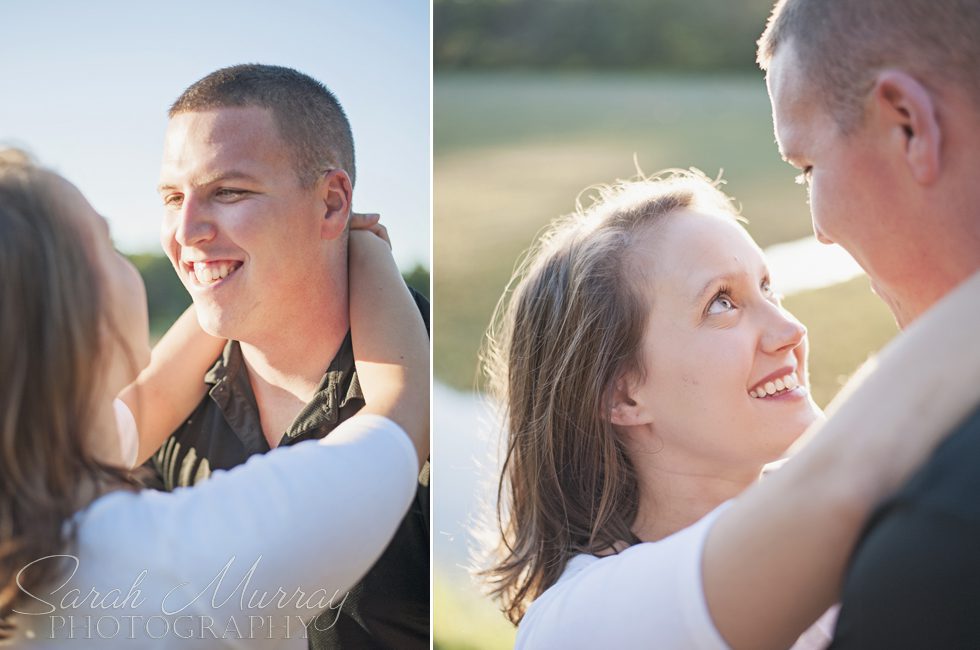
167	299
667	35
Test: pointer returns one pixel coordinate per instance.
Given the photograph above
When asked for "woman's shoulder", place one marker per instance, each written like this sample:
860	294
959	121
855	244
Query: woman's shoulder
650	593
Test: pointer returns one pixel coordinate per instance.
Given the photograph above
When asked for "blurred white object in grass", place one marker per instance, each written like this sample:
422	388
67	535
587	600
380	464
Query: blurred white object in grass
807	264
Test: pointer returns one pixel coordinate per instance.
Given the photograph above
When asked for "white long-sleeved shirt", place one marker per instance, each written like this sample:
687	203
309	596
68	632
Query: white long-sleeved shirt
243	560
648	596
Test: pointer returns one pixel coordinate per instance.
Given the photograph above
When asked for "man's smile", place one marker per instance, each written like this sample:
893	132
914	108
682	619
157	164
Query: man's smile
209	272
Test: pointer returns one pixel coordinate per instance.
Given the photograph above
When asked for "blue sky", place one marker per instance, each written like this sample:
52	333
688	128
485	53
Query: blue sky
84	86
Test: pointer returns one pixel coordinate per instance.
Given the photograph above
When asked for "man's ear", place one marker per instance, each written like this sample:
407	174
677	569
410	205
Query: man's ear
906	108
626	410
335	192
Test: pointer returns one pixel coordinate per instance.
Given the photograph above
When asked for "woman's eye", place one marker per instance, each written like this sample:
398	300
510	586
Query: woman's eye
768	292
721	304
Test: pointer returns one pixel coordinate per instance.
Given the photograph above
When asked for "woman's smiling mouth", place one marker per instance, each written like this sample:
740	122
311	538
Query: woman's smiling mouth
779	385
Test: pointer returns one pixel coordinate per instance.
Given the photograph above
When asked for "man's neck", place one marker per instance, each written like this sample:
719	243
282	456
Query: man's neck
286	362
937	278
942	251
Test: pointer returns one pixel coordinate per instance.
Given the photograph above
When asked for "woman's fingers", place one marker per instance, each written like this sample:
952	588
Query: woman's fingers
363	220
371	222
382	232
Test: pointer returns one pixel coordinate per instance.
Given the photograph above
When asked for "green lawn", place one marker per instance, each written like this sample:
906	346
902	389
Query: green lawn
464	620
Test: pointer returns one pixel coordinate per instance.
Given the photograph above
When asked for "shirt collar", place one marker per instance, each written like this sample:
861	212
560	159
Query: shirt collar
232	391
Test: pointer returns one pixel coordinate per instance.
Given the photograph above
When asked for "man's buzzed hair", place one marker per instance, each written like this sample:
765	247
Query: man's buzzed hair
310	119
842	44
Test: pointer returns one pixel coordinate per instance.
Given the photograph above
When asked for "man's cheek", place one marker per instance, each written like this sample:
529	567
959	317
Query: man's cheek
167	242
822	229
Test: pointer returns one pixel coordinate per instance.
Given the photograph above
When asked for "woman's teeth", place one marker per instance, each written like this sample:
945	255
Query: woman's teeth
780	385
211	272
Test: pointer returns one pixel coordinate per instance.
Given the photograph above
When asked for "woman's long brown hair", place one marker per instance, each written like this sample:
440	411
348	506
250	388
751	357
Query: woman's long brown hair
570	329
52	320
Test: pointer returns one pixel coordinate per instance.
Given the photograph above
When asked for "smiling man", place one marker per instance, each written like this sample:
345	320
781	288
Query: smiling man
878	103
256	180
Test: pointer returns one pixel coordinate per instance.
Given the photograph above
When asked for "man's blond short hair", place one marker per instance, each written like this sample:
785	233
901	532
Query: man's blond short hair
842	44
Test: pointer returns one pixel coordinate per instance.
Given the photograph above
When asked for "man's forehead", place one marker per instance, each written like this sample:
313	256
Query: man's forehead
227	126
215	141
791	109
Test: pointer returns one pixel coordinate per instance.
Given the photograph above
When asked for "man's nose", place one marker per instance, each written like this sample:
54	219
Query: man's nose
195	223
782	332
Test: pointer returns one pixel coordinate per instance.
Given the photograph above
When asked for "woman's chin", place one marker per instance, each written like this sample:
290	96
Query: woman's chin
801	430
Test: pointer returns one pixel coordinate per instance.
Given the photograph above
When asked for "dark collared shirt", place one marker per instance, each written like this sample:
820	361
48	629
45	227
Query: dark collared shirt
389	608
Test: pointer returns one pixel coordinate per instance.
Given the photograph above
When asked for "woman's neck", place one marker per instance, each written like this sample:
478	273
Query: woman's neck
671	500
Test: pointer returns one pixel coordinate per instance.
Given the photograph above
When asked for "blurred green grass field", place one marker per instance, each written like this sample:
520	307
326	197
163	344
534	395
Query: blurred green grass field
512	151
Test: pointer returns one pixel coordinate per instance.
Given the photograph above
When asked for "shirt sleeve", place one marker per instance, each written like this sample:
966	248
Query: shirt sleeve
648	596
289	530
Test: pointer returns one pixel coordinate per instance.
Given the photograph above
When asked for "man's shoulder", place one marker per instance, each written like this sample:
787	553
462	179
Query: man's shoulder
914	579
950	480
941	496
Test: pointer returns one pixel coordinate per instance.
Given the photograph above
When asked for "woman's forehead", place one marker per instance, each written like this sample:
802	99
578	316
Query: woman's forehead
694	248
691	240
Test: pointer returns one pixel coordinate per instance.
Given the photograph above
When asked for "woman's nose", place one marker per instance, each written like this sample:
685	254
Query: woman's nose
782	330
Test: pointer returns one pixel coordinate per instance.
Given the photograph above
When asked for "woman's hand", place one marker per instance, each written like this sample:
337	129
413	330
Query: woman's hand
370	222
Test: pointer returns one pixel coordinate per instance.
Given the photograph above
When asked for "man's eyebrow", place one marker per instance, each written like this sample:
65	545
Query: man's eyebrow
233	175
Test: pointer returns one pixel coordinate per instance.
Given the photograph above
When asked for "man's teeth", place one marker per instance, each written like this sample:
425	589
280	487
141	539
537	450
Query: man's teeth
772	387
207	273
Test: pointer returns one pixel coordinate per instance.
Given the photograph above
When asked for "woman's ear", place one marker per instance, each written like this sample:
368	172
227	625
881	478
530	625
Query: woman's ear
335	191
625	410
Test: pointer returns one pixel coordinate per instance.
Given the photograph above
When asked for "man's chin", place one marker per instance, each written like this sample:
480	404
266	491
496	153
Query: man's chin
216	325
895	306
